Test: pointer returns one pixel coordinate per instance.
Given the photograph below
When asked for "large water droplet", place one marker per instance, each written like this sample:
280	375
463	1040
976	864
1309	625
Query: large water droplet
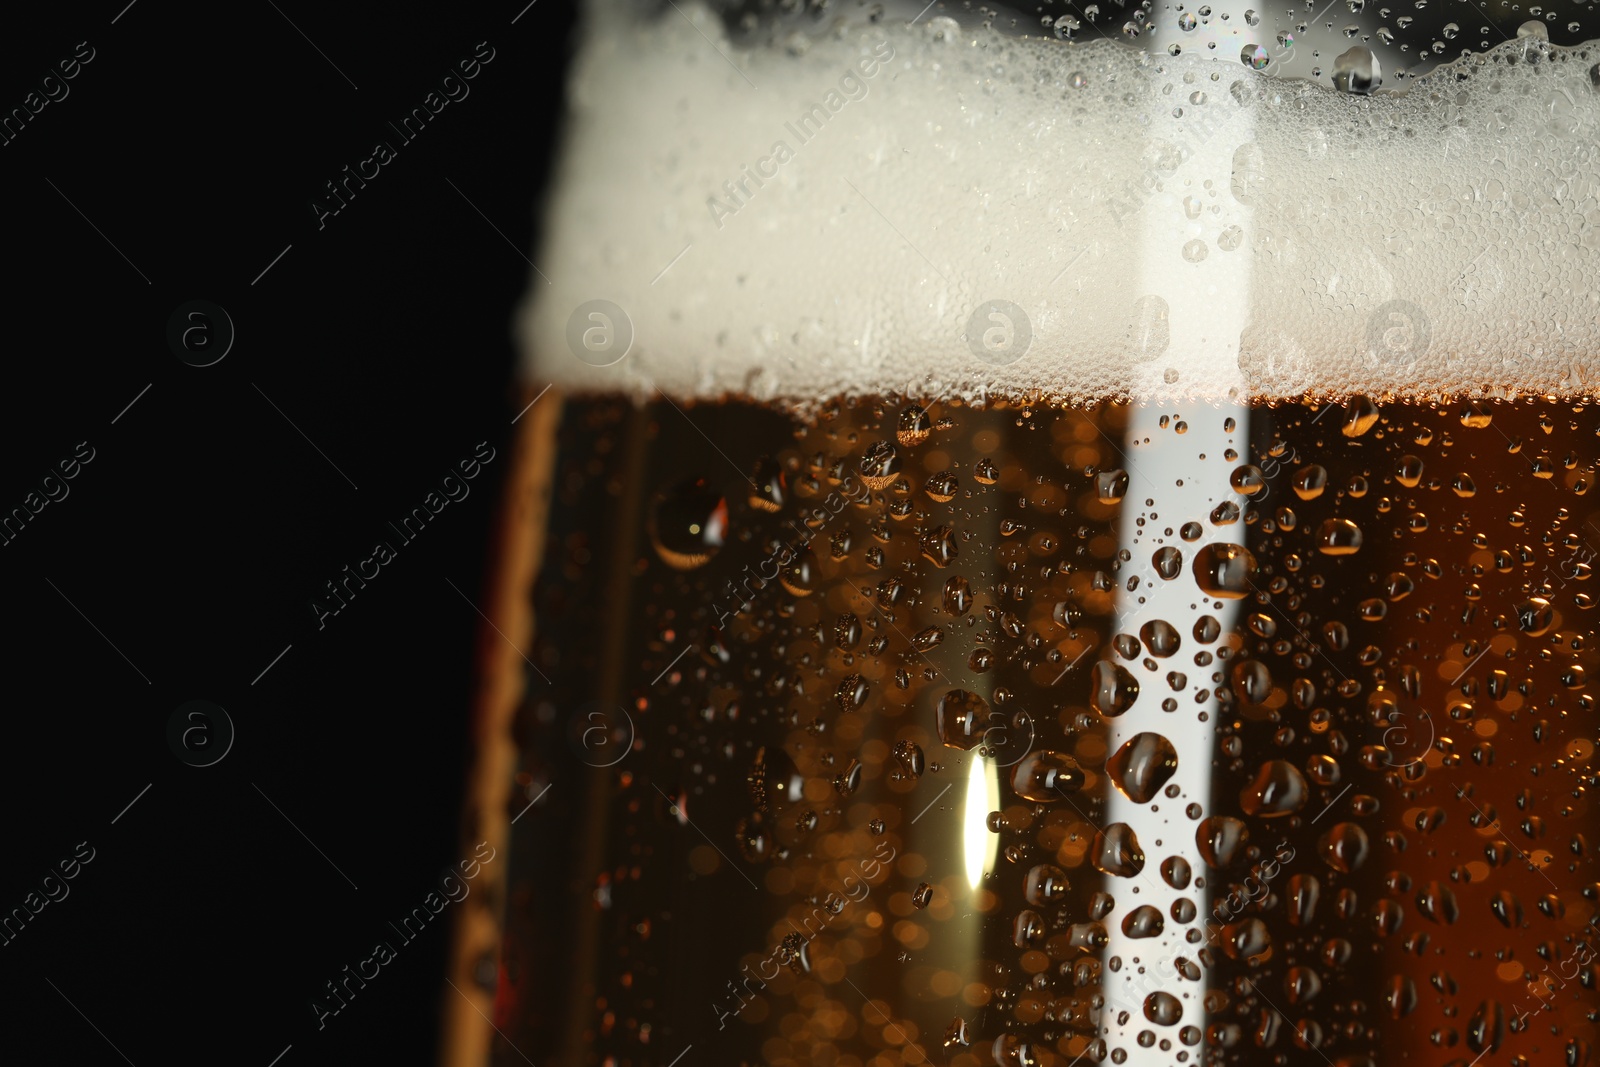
1142	766
957	595
1144	921
914	426
1277	789
1225	570
1116	851
1221	839
1113	690
1345	847
1111	486
1338	537
1309	482
689	524
1044	776
880	465
801	576
1535	616
1246	939
1163	1009
962	718
1357	71
1046	885
939	546
769	488
910	757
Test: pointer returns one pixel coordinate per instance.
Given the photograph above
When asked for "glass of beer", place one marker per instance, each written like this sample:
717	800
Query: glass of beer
1049	535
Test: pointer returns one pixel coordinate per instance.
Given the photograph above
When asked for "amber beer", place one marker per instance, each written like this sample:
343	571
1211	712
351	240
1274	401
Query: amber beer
782	864
1091	565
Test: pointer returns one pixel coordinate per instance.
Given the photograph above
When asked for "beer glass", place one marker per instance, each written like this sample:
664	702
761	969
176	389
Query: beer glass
1049	535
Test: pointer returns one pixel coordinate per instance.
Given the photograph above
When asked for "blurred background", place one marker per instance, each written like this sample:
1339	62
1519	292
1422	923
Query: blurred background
373	354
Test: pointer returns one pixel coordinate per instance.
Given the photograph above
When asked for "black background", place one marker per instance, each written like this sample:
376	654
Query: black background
185	556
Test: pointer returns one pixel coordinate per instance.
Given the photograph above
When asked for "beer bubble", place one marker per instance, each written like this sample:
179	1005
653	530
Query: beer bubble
1141	766
689	524
922	896
985	472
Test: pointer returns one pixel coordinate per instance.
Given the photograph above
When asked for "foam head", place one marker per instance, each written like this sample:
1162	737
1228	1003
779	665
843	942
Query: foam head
927	209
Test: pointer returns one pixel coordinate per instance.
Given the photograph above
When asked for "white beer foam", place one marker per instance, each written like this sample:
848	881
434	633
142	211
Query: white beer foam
1444	241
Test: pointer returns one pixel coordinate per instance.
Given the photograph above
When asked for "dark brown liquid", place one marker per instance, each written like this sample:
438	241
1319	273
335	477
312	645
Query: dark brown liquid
778	645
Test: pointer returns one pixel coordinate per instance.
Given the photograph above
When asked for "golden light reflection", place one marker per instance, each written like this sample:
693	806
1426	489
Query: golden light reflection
978	844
